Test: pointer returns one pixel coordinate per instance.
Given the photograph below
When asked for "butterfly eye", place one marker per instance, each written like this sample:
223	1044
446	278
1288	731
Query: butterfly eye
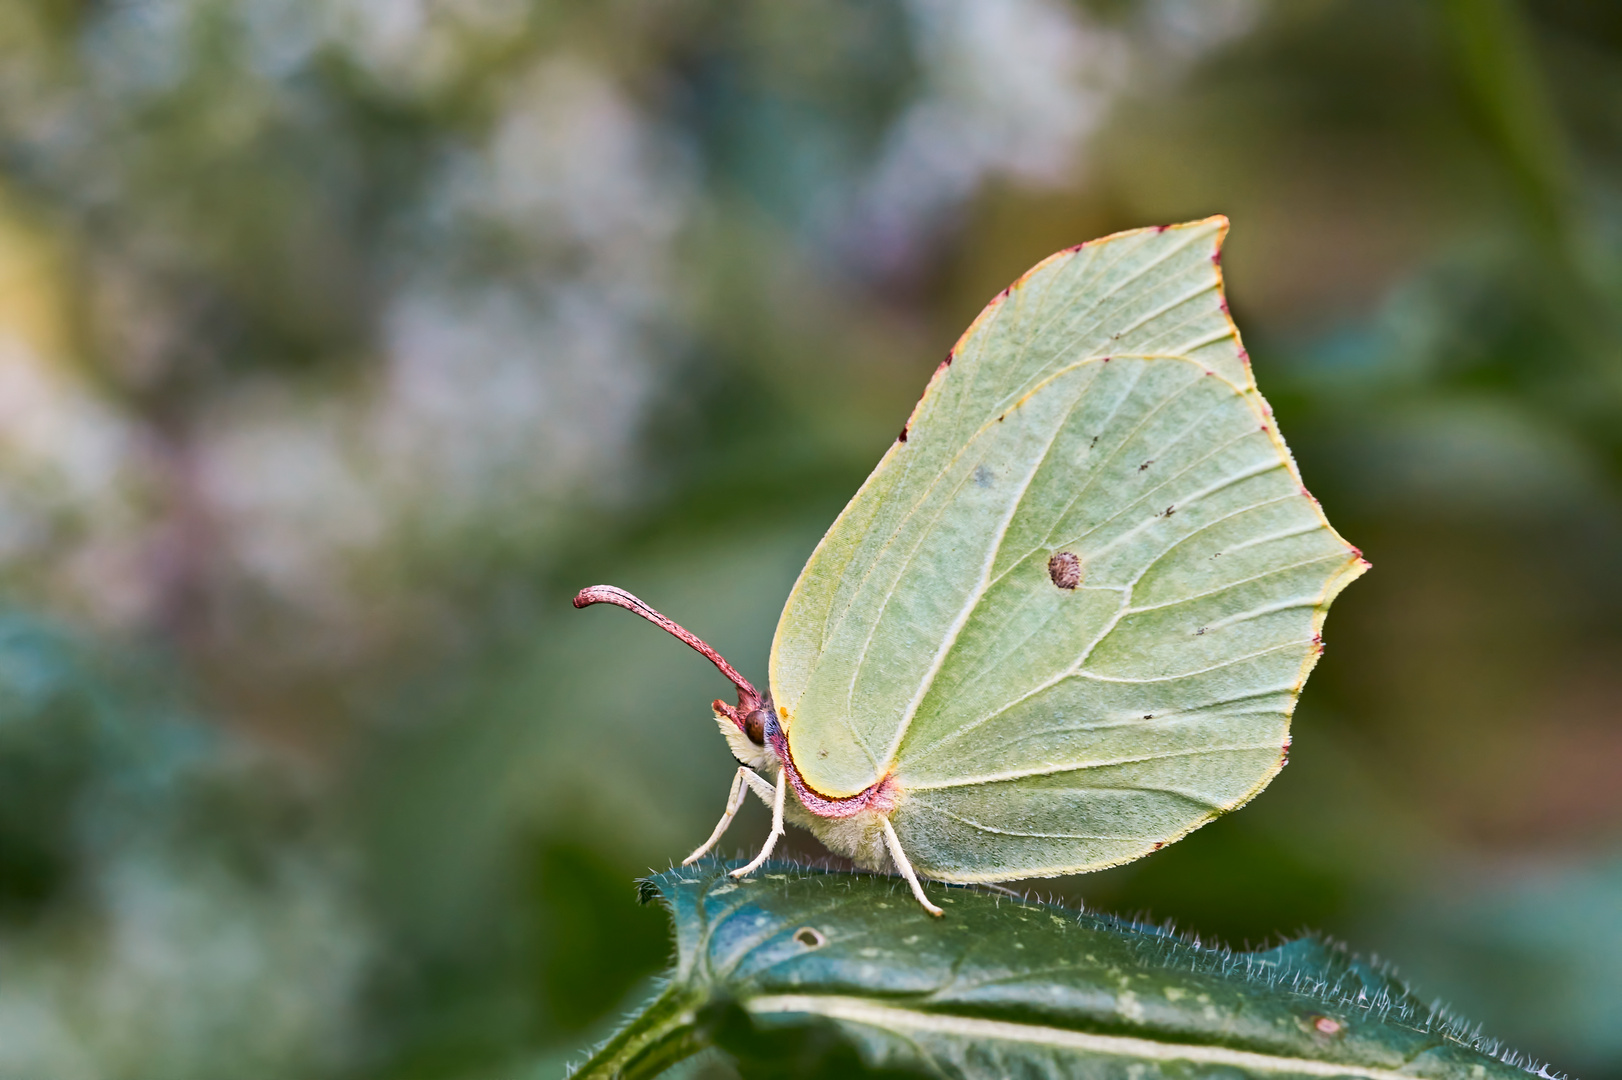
754	726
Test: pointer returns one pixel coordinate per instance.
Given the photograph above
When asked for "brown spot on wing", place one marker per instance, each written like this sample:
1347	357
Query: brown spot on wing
1064	569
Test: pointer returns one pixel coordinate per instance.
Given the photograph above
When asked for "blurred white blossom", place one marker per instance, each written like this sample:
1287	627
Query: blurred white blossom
74	477
1011	90
500	398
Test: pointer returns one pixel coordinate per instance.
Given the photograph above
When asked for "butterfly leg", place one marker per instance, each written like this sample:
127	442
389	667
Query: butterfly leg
777	827
743	782
900	857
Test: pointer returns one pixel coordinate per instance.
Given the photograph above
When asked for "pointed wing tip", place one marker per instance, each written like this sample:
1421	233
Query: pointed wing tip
1216	227
1354	567
1217	223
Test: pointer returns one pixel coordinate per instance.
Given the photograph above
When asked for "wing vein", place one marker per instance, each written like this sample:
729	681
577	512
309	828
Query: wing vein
1115	290
1225	482
1235	584
1055	770
1096	677
979	592
1173	478
1214	522
1108	420
1170	305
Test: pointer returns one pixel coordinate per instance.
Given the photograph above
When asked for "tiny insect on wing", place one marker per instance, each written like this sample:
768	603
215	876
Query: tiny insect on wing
1067	618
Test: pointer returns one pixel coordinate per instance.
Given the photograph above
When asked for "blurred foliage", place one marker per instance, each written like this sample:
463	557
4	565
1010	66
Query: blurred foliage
166	904
340	342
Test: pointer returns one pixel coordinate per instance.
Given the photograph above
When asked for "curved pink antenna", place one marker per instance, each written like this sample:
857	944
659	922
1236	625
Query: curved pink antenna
749	698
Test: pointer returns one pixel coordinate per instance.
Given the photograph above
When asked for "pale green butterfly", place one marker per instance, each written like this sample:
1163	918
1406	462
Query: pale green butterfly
1066	620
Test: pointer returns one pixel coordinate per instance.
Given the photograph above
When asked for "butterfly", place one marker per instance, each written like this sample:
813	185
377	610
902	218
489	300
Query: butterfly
1067	618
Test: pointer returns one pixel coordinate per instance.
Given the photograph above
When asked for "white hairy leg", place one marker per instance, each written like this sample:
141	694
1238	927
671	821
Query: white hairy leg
744	781
777	827
900	858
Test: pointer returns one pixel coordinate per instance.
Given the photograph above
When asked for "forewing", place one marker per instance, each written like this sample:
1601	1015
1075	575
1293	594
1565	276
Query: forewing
1101	406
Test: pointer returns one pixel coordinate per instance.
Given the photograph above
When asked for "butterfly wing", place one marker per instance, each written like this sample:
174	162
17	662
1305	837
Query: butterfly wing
1039	723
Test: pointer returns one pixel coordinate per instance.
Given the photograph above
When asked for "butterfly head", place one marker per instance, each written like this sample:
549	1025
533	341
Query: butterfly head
749	741
754	722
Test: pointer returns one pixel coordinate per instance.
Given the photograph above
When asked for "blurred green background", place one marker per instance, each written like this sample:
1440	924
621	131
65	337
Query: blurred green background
342	340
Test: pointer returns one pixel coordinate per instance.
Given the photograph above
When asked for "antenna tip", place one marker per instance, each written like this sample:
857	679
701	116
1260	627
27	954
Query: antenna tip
599	594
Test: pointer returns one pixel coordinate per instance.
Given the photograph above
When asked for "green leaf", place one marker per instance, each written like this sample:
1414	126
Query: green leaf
803	972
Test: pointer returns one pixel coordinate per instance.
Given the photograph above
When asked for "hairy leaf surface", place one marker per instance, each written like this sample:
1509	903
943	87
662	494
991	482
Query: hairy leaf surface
1008	987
